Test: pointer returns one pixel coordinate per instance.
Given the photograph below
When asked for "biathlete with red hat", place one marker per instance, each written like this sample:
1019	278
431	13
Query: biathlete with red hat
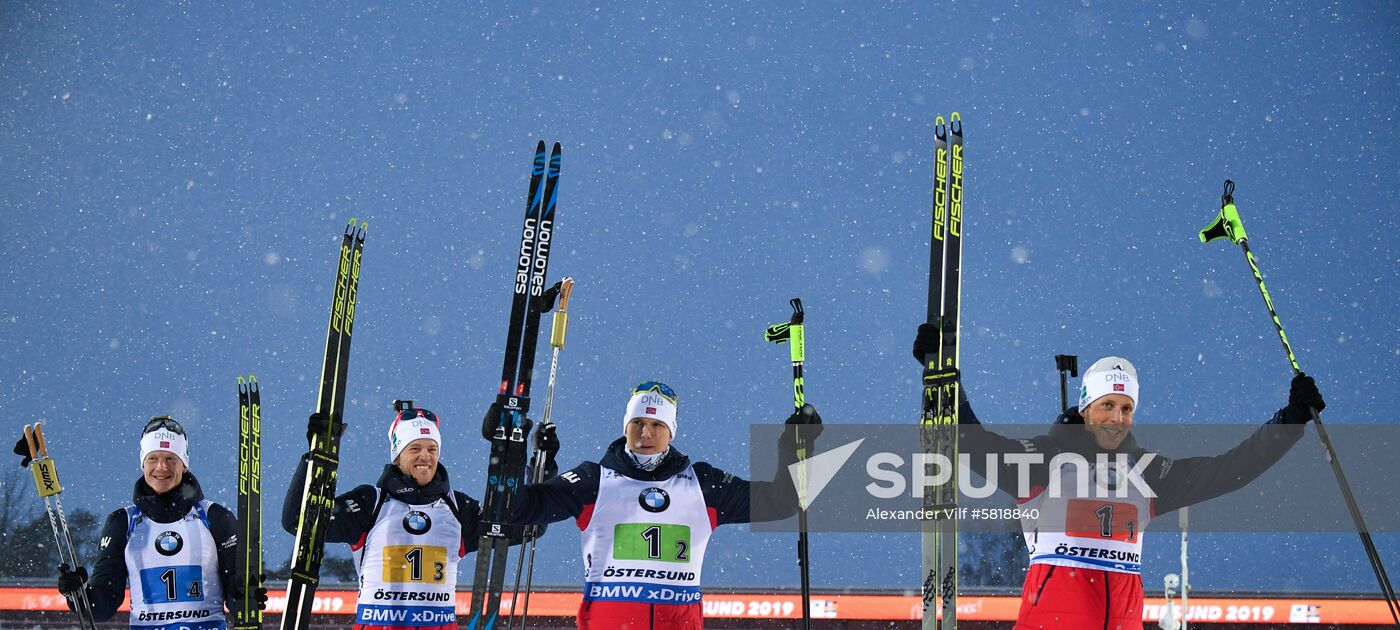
410	529
1086	550
175	548
646	511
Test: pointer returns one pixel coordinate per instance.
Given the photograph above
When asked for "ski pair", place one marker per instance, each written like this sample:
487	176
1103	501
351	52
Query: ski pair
249	568
318	494
46	482
508	431
939	421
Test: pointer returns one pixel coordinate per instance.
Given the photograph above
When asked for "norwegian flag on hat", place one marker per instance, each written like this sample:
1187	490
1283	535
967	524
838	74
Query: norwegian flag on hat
164	444
1118	387
651	409
424	431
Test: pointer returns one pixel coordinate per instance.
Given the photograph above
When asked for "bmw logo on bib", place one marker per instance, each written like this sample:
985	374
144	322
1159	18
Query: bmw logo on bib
417	523
654	500
169	543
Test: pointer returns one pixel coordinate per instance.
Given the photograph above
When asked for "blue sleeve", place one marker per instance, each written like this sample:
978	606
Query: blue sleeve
107	584
562	497
976	441
223	525
469	515
350	519
1188	481
726	494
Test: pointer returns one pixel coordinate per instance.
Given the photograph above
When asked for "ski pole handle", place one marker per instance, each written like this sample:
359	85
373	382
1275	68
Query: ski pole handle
561	314
45	474
29	441
39	439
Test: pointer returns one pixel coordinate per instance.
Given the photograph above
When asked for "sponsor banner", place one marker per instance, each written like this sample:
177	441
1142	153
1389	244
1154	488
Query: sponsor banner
1273	611
640	592
379	615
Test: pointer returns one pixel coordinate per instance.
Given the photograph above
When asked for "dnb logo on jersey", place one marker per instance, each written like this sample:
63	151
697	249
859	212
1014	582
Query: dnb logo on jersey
417	523
169	543
654	500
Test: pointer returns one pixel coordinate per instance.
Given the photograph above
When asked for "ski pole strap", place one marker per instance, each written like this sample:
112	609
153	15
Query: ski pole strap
1227	224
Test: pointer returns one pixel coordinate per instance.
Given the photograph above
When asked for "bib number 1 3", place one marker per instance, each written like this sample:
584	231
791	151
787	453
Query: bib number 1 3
410	563
651	541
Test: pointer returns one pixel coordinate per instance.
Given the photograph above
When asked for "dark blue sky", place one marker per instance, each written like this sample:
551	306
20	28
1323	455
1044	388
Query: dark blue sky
175	178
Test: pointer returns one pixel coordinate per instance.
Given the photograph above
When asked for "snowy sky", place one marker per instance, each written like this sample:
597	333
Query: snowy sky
175	177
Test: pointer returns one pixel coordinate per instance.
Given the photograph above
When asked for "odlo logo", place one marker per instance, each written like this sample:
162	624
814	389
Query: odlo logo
654	500
417	523
169	543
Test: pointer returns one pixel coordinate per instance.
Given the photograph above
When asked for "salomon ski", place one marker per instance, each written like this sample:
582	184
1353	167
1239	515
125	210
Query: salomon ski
508	431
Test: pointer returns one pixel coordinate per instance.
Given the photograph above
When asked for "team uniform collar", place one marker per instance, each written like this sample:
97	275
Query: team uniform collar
617	459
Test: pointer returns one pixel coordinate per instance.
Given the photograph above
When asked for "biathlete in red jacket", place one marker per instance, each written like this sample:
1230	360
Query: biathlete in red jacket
1086	549
646	511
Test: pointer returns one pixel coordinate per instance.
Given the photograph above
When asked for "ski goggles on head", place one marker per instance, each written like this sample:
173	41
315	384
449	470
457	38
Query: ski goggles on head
409	414
658	387
163	422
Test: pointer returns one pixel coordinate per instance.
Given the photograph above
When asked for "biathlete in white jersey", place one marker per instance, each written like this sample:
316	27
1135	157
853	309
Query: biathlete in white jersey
173	547
409	530
646	511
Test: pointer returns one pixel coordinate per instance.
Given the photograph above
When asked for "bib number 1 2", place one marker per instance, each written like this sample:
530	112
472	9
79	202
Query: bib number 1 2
651	541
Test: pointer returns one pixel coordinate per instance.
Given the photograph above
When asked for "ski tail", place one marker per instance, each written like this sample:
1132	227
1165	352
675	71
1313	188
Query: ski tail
318	495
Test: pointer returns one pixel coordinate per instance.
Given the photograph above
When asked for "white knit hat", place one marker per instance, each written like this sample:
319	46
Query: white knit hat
1109	375
652	400
410	425
164	440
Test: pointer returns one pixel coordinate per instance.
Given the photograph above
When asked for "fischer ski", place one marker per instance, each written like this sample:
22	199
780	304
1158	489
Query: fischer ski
46	482
939	422
508	431
318	495
249	567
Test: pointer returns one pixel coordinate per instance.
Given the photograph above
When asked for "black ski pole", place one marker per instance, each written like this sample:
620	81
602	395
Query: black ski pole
1066	363
791	332
563	289
1227	224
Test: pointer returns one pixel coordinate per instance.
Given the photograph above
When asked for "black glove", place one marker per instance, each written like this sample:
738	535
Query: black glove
22	449
546	439
70	582
319	423
927	341
235	594
1302	396
490	420
493	418
807	418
